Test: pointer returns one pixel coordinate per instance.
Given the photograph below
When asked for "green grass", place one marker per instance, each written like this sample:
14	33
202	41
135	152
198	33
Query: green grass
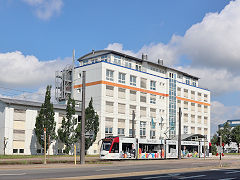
231	153
37	156
49	161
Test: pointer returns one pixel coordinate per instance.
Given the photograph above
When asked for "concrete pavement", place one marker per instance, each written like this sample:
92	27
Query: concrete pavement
115	169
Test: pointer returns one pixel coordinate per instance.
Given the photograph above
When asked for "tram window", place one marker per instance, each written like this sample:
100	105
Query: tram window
106	146
171	147
115	148
127	147
189	148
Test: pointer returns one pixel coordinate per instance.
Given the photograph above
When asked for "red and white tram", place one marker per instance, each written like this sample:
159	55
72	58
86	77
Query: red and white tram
133	148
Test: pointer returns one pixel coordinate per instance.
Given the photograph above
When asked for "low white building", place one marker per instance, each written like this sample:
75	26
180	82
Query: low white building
17	123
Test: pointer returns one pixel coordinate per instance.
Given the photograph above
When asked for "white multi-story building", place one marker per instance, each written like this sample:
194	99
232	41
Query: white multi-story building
119	84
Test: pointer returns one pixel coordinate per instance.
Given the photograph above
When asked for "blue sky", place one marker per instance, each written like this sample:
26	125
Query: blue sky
86	25
200	37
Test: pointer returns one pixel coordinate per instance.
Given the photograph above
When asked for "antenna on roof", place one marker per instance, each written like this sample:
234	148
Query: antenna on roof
160	61
144	57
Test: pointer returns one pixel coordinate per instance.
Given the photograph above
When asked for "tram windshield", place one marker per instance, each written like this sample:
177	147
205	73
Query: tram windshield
106	146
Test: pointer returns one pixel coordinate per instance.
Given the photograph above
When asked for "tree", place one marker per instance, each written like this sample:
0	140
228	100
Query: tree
67	132
235	135
91	125
214	142
45	119
225	132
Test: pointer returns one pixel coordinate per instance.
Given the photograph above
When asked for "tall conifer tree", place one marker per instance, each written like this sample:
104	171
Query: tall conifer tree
45	119
67	132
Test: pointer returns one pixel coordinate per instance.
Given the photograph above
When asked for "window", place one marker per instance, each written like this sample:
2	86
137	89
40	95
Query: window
153	99
205	97
131	109
143	83
115	148
192	95
153	113
153	85
121	93
187	80
185	116
15	150
143	97
192	118
133	95
120	131
108	130
185	105
85	62
205	131
133	80
138	67
199	130
142	128
109	91
128	64
143	111
121	108
21	151
185	129
130	132
117	60
121	77
194	83
152	134
103	58
180	76
199	119
205	120
109	75
192	130
109	107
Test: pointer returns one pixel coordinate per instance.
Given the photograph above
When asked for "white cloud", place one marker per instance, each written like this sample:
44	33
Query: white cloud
154	52
119	47
212	45
38	95
45	9
215	41
221	113
218	81
27	71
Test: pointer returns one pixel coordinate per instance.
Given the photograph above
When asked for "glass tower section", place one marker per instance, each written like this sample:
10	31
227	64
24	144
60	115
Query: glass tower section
172	105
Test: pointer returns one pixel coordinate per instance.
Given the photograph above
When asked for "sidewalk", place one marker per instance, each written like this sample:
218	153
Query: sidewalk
227	161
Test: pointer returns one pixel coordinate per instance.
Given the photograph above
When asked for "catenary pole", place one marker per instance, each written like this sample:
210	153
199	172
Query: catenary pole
73	62
82	151
179	134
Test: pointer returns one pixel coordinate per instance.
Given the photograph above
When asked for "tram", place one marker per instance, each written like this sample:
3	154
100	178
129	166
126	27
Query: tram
132	148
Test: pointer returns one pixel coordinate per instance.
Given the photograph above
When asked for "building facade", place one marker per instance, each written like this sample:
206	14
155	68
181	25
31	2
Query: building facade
17	123
120	84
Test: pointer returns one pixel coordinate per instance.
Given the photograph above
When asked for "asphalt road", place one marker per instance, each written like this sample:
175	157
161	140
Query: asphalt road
117	169
213	174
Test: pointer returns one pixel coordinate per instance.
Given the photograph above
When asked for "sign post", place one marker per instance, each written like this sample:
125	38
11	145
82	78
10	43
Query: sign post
45	148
